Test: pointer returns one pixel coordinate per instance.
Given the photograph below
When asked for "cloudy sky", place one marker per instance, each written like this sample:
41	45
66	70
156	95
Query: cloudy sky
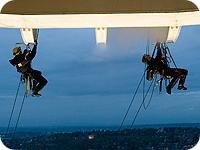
92	85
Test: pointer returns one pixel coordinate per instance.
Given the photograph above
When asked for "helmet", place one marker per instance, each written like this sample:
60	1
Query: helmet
16	50
146	58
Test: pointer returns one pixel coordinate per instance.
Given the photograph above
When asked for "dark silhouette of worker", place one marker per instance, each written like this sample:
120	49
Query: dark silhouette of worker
159	65
22	62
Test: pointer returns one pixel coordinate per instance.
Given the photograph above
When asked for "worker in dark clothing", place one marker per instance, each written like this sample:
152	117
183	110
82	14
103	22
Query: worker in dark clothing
22	61
160	66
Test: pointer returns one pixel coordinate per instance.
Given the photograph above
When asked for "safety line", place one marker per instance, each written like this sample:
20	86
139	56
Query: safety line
151	94
131	102
13	107
143	90
171	57
19	116
145	68
153	81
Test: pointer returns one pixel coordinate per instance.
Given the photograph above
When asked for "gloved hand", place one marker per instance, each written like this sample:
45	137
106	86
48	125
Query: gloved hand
36	42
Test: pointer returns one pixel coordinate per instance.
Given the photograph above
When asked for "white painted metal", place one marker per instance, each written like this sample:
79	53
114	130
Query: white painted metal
100	20
28	35
101	35
172	20
173	33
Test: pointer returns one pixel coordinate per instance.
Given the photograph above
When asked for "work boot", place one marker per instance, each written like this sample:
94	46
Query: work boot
35	94
181	87
168	89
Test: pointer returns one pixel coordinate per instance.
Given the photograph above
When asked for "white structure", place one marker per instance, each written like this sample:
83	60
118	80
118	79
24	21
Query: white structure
99	14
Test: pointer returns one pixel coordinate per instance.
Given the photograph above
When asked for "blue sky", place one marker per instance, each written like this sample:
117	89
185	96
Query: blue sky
92	85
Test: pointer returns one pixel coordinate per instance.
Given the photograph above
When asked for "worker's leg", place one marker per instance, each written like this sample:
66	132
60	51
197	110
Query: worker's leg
171	84
170	72
41	81
183	74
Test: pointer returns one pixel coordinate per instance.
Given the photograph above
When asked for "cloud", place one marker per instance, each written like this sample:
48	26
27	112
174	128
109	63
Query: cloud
6	96
194	94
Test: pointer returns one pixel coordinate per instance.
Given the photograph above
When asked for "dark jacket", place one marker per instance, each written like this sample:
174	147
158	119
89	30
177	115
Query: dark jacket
23	60
158	64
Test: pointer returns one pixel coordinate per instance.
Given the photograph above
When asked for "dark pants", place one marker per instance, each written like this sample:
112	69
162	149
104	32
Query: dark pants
38	81
176	74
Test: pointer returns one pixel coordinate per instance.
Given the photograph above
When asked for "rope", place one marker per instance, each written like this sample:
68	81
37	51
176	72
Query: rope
143	90
131	102
145	95
13	107
171	57
147	46
145	67
141	104
151	93
19	115
154	50
27	85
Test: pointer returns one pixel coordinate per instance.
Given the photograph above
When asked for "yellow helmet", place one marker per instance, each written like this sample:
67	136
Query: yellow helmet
16	50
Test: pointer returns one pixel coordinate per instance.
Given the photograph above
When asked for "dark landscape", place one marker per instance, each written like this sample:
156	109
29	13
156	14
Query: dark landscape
150	138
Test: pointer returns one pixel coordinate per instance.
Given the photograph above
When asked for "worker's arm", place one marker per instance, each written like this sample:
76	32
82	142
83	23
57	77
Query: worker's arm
33	52
13	61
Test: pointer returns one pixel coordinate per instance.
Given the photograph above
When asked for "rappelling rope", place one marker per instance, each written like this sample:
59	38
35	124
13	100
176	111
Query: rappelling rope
145	68
144	95
19	115
13	107
153	81
166	49
131	102
154	50
151	94
171	57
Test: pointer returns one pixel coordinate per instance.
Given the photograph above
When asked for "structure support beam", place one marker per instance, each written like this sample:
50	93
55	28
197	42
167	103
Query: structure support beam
29	35
101	35
100	20
173	33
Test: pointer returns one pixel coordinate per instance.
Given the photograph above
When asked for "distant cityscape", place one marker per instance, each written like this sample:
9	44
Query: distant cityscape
158	137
